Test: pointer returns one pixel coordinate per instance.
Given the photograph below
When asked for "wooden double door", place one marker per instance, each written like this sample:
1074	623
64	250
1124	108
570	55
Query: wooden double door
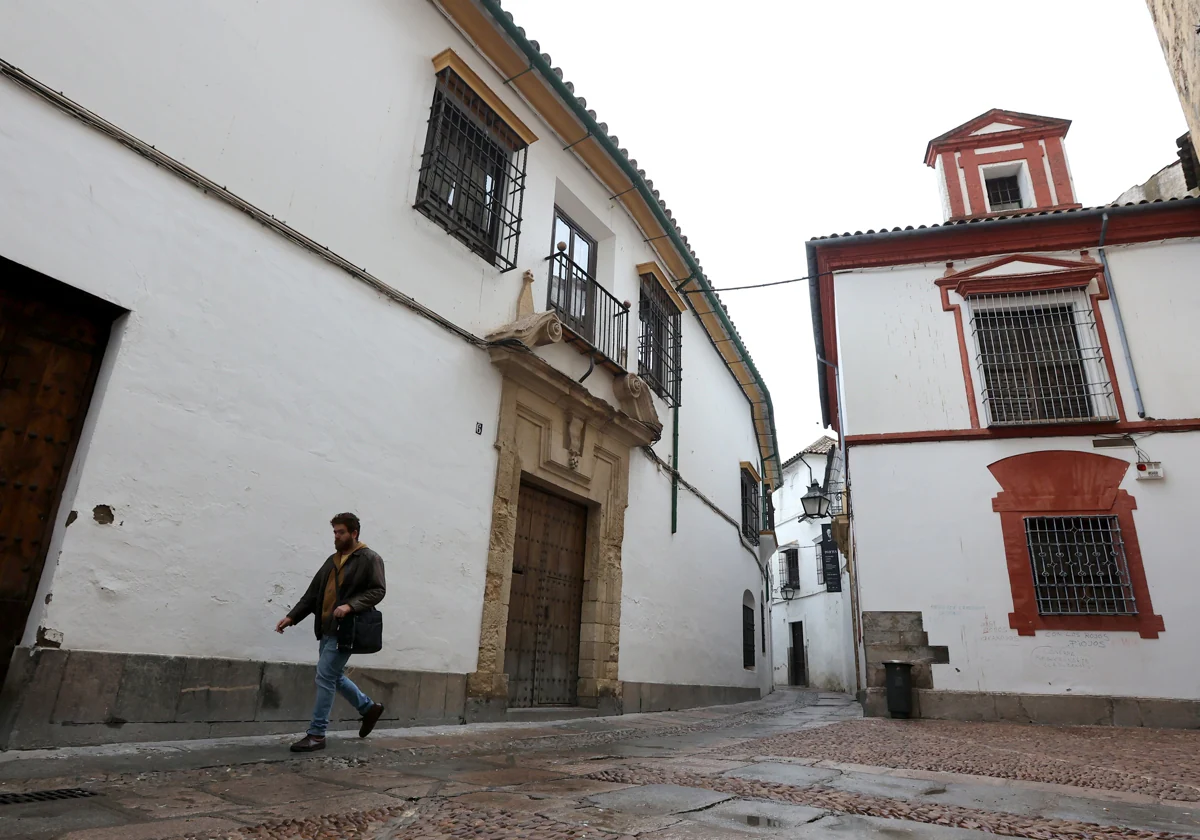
541	655
52	338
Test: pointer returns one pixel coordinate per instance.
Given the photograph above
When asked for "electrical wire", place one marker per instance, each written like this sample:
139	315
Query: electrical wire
753	286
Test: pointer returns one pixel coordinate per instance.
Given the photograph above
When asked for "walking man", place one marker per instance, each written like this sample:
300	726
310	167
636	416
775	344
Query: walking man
350	581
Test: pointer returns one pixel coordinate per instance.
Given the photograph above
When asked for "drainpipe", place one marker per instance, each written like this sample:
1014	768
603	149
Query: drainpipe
1112	295
675	474
504	19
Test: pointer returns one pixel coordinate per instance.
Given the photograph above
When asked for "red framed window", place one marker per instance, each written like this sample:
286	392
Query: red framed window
1074	562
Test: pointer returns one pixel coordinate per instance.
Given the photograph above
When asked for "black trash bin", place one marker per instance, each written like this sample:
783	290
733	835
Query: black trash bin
898	679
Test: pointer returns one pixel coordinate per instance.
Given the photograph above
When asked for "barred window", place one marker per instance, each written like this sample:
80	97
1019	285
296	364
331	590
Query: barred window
820	569
1079	566
762	623
472	172
1003	193
1039	358
747	636
789	568
750	520
659	345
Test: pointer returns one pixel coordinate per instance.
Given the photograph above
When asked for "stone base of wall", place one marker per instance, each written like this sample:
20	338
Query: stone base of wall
900	636
60	698
1078	710
664	697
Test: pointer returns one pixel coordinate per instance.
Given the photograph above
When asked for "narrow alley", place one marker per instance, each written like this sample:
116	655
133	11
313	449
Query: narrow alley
796	764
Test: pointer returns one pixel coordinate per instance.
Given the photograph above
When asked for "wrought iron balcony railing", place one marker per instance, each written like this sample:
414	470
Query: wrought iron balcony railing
592	318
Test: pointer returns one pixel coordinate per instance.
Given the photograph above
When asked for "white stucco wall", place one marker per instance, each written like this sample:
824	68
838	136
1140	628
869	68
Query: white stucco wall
899	351
681	606
946	559
829	654
1157	290
254	389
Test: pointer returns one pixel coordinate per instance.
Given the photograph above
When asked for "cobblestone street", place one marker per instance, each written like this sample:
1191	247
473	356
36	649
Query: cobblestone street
797	764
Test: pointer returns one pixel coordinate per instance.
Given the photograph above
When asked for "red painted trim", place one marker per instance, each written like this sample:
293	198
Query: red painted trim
1102	333
1005	214
959	242
953	186
829	324
963	354
1058	168
1039	282
1030	152
1067	483
970	168
1115	427
1037	233
1071	274
1034	259
1034	155
984	141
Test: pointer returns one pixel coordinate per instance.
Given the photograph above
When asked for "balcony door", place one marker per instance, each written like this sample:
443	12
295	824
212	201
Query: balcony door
572	271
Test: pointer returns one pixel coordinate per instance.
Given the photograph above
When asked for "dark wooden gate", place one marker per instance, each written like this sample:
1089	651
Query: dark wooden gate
799	677
51	340
541	655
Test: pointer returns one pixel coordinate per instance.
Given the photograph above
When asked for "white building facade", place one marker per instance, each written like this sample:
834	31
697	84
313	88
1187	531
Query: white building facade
811	629
374	257
1019	402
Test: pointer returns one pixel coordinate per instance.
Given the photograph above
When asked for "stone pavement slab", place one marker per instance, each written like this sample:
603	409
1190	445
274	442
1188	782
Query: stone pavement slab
504	776
845	827
159	830
164	803
50	819
512	802
892	786
796	775
275	789
658	800
616	822
316	807
570	787
757	817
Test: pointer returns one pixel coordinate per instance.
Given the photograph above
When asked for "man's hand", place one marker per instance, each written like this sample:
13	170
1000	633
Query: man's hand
342	611
283	624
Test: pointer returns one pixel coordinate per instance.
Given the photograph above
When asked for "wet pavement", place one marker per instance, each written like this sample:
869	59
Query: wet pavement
794	765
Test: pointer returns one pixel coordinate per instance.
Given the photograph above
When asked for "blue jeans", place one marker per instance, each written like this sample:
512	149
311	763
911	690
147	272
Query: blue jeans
330	678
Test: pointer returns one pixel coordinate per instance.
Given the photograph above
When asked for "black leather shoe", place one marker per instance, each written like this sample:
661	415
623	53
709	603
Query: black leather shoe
370	719
309	743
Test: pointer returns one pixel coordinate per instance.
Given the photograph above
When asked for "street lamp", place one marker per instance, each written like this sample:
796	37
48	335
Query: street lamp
789	591
816	503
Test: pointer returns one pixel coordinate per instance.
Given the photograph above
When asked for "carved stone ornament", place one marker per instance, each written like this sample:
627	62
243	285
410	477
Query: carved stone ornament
525	298
634	395
574	428
535	330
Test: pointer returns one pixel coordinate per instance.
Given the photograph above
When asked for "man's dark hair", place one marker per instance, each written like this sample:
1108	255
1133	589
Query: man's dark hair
349	520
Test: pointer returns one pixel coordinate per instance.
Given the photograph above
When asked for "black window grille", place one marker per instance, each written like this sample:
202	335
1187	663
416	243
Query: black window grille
747	636
762	623
659	344
1003	193
768	510
789	568
472	179
750	520
1040	358
1079	566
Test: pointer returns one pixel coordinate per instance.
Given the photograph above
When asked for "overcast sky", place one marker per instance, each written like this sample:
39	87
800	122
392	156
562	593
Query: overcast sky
765	124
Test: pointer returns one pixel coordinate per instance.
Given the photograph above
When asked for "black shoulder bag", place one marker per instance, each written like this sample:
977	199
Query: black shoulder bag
360	632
